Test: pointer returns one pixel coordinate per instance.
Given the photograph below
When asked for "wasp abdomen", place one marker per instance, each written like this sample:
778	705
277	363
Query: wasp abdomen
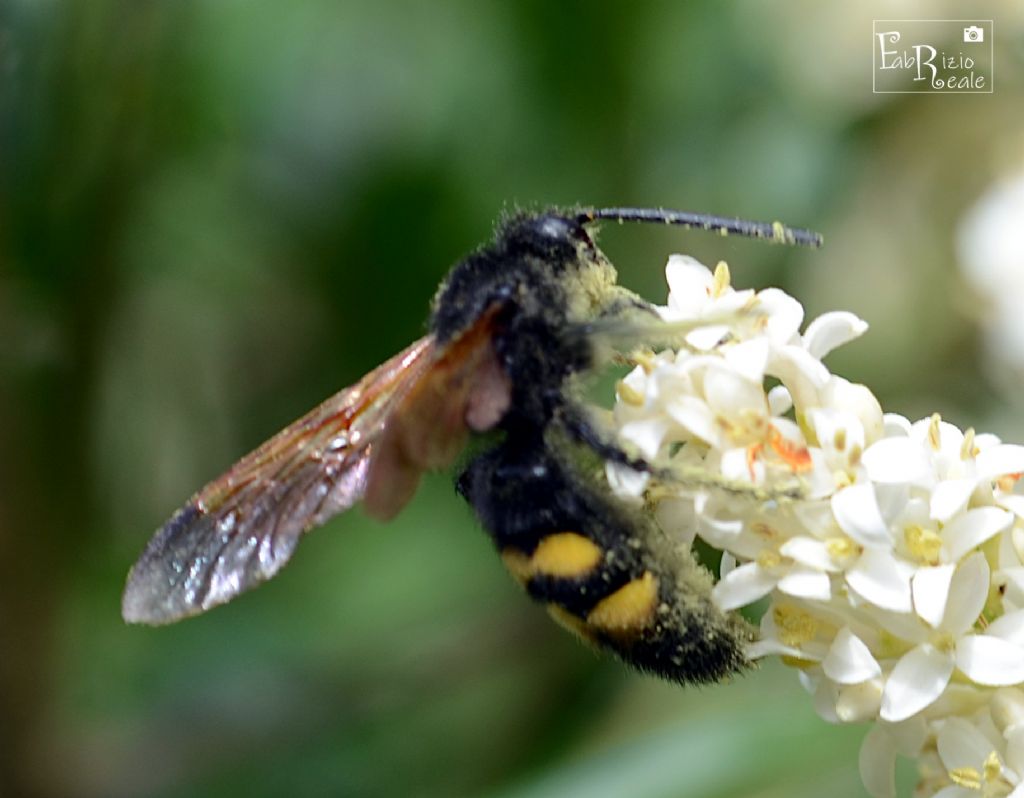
588	589
603	574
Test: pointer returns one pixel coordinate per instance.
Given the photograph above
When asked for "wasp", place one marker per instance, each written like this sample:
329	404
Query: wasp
515	329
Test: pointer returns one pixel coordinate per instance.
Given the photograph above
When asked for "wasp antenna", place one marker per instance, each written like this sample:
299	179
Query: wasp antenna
775	232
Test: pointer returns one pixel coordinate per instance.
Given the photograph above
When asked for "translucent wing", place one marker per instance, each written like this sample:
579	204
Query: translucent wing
373	440
242	528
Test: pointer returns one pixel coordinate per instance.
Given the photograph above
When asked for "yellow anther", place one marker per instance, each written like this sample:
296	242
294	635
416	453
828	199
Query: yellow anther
795	626
722	279
924	544
993	768
855	453
840	548
839	441
935	432
769	559
968	451
645	359
967	777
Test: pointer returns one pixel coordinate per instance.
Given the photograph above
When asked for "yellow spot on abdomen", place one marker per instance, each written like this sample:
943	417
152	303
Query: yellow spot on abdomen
518	564
567	555
628	609
568	621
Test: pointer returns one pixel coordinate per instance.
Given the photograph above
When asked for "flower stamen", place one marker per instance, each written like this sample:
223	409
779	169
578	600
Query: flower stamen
935	432
967	777
923	543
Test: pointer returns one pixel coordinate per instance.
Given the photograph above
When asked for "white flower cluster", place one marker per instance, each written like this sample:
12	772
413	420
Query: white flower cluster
891	552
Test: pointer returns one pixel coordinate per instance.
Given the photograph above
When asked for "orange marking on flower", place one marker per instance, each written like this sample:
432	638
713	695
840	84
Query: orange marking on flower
797	457
753	452
1007	481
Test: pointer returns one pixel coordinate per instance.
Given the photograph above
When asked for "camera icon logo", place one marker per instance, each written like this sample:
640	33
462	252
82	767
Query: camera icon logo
972	33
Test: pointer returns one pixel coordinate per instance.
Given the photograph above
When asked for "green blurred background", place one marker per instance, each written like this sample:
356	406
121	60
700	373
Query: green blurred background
214	214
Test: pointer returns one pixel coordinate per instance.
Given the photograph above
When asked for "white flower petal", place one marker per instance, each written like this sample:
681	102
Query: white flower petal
1009	627
742	586
689	283
837	430
678	518
877	763
968	592
1012	582
950	497
955	791
806	583
1008	710
723	533
808	681
830	330
997	461
972	528
1014	735
904	626
749	359
825	697
809	552
916	681
736	466
731	394
931	590
896	504
707	338
779	400
858	401
849	661
896	425
785	314
897	460
986	440
989	660
857	703
1012	502
951	438
909	736
858	515
694	415
647	435
883	580
625	482
1006	554
769	646
801	373
961	745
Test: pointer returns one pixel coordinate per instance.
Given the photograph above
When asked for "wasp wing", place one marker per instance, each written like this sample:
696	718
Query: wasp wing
242	528
465	389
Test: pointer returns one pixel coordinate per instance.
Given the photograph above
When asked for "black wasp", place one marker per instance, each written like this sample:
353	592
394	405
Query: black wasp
514	330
